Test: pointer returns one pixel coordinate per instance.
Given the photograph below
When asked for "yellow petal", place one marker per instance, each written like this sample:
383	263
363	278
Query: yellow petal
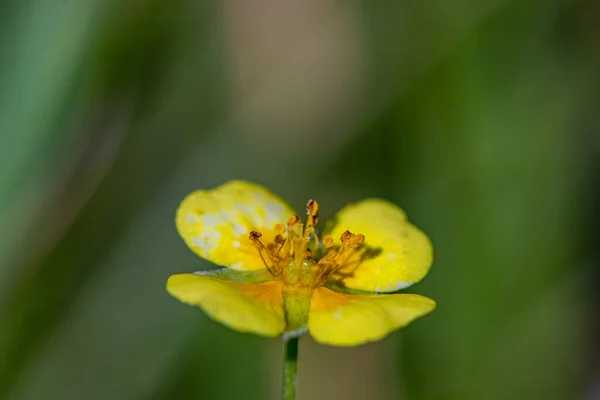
215	223
341	319
253	308
395	253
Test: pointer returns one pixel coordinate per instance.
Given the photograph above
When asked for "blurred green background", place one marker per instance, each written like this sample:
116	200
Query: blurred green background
479	118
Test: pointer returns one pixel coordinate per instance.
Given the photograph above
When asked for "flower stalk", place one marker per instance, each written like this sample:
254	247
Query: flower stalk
290	369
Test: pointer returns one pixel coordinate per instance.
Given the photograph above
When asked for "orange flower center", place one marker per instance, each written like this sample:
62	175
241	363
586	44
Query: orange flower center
293	256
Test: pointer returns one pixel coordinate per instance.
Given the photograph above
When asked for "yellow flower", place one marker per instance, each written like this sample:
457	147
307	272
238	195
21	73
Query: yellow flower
282	280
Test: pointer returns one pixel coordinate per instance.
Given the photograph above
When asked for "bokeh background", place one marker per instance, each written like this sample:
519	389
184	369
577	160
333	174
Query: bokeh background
479	118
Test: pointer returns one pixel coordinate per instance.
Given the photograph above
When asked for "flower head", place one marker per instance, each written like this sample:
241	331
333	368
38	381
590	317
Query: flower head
281	278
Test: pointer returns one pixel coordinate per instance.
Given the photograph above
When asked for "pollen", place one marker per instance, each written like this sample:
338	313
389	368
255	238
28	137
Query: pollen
297	257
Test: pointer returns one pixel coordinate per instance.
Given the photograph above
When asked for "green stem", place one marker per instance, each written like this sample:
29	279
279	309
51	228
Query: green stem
290	368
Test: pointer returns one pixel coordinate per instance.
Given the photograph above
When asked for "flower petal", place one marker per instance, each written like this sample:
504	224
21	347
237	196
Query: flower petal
341	319
253	308
215	223
395	254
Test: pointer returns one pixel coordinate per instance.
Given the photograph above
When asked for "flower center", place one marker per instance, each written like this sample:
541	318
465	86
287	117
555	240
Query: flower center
298	258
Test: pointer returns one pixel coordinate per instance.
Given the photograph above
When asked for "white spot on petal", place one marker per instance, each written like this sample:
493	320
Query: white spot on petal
198	242
213	235
244	208
239	230
259	196
236	265
226	215
236	243
210	221
191	218
208	241
401	285
273	212
393	287
337	315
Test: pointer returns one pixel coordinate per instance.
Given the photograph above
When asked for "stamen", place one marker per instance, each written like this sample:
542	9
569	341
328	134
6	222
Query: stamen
311	231
298	264
280	240
312	210
255	236
292	232
335	259
312	207
279	229
325	268
356	240
345	237
293	220
328	243
299	253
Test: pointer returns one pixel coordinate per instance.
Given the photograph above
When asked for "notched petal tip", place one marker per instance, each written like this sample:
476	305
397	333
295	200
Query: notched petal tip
395	253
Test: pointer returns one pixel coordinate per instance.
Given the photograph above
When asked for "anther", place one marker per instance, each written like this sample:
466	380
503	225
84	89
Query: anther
350	240
312	207
312	210
346	236
279	229
328	241
357	240
279	239
293	220
255	236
